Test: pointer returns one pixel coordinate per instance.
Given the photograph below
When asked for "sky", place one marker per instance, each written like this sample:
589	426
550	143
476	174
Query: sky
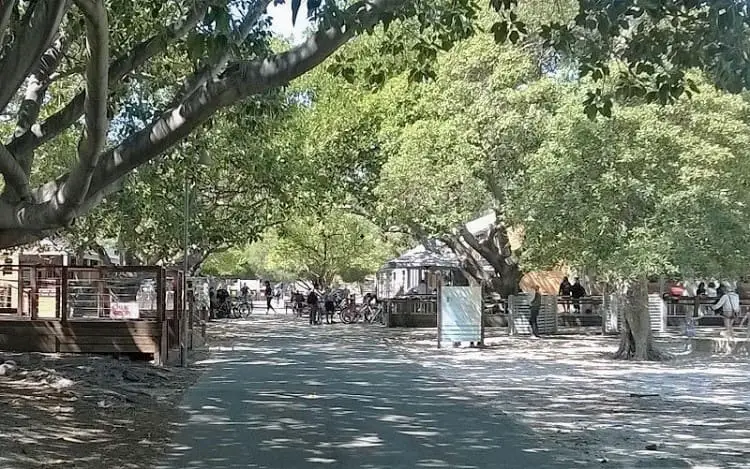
282	21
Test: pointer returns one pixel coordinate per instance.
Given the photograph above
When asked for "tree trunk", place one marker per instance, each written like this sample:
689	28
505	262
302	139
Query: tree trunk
637	340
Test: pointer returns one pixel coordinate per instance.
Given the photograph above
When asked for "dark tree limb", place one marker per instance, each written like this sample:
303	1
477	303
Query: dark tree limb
6	15
26	50
210	71
92	141
27	142
237	82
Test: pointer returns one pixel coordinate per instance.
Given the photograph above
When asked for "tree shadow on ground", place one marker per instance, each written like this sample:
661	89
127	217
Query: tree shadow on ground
294	396
691	411
86	411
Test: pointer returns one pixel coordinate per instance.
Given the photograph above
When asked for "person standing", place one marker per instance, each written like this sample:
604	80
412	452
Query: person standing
535	304
312	302
269	297
329	305
729	307
577	292
564	293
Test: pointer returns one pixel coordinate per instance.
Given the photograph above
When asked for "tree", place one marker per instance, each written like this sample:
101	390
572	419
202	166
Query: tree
649	192
323	247
226	43
108	51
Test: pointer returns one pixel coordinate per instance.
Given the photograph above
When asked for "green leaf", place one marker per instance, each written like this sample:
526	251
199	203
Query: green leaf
500	31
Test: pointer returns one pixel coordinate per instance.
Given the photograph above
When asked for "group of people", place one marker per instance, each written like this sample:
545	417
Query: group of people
574	292
220	299
315	297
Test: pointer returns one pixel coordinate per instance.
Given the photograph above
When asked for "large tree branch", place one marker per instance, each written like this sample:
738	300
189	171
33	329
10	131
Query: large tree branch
238	81
34	38
36	89
210	71
75	188
15	177
6	14
27	142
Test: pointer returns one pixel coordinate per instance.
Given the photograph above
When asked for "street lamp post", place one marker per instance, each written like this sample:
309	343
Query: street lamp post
185	267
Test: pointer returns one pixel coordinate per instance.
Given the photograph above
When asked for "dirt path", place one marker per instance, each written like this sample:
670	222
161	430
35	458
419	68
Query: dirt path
84	412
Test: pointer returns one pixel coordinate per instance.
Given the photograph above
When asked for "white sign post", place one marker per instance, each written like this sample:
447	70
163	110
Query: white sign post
460	315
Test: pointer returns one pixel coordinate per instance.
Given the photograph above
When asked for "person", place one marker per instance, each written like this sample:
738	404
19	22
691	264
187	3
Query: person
729	307
269	297
222	296
244	291
564	293
329	304
312	302
577	292
701	290
212	303
422	287
535	303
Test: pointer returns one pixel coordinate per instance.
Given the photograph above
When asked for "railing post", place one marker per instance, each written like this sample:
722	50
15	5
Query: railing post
161	313
19	309
64	295
34	295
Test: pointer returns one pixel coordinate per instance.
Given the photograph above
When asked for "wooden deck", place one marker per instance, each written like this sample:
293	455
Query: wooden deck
104	310
80	336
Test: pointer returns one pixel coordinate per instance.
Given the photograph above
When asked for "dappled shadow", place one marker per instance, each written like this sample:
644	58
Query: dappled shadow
294	396
85	412
691	411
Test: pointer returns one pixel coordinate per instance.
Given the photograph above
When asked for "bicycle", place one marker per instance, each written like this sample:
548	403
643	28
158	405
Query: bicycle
367	312
242	309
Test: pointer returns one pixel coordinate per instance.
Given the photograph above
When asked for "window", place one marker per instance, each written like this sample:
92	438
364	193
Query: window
6	298
7	268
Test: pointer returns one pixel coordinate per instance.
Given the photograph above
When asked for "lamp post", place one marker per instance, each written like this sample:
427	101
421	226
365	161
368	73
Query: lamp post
203	160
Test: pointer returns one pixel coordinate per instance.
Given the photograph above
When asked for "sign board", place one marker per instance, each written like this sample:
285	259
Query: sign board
460	314
124	310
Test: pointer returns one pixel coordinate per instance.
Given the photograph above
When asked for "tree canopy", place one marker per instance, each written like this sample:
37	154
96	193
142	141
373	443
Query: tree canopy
71	71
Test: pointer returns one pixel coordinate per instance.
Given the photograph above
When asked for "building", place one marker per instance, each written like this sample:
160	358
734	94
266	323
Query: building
436	260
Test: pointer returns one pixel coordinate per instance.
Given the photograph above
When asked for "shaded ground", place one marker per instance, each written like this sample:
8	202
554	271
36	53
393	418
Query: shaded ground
77	411
287	395
693	411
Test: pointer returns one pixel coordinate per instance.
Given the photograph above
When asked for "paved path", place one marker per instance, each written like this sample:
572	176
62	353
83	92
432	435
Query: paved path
294	397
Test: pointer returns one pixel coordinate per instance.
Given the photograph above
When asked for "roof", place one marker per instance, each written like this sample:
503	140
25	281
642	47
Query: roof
420	256
440	255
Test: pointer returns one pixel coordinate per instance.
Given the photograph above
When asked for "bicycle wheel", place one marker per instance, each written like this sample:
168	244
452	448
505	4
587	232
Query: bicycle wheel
245	311
347	317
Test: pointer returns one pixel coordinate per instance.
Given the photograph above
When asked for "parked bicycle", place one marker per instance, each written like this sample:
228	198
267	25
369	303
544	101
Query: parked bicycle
368	313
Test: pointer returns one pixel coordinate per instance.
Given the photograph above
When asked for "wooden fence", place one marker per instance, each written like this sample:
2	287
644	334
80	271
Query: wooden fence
46	308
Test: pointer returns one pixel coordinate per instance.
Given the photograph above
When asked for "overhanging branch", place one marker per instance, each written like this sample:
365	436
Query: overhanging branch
14	175
97	89
35	37
237	82
54	125
212	70
6	14
36	89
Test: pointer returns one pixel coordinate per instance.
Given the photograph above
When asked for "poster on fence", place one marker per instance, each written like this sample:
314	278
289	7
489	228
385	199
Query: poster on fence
460	315
124	310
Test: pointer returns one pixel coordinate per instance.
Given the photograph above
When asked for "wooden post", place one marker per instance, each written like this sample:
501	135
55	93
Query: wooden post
64	295
439	312
161	313
19	309
34	295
